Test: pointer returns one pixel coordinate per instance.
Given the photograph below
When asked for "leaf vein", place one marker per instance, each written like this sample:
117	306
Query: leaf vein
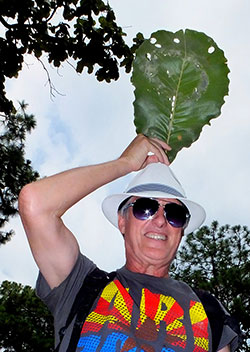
172	114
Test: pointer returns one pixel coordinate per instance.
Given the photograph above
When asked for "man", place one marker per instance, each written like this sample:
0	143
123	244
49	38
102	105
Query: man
142	309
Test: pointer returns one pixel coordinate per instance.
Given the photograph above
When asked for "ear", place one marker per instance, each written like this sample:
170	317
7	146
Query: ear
181	237
121	223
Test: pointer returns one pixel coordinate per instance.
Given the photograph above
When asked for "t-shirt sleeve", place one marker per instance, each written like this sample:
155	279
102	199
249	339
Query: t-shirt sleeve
59	300
228	336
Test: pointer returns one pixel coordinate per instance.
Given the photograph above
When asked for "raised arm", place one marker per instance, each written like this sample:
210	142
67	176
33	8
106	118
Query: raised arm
42	204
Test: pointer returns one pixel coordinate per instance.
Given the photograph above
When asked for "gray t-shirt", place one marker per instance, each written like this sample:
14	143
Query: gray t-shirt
135	312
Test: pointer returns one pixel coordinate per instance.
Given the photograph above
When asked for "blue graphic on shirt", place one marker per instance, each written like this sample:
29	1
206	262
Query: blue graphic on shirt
114	342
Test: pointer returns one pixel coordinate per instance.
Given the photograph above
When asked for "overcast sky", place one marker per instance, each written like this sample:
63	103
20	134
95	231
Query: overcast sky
92	122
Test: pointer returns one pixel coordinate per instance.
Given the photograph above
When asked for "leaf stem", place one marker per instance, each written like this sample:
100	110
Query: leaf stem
174	98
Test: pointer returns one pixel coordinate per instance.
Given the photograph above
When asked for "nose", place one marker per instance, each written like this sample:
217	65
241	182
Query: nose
159	218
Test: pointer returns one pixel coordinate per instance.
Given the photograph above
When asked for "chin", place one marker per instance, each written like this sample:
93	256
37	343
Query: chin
156	255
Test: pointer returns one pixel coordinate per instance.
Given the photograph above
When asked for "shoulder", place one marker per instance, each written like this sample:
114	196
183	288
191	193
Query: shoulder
225	328
68	288
182	287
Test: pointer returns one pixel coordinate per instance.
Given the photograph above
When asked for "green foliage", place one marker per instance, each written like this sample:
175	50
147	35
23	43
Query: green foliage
25	322
85	31
217	259
180	82
15	170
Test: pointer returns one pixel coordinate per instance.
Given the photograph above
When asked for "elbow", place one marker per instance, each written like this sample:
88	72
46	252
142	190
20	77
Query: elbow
27	201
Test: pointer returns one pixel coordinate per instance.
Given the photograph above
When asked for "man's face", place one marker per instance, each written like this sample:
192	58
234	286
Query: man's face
151	244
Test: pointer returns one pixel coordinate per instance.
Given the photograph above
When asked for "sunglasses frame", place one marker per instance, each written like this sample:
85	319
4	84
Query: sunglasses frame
165	213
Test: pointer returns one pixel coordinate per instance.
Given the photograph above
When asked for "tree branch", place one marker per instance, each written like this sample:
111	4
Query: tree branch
6	24
51	85
70	64
52	14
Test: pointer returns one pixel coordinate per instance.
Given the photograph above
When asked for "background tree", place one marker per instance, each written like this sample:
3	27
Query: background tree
217	259
84	31
25	322
15	170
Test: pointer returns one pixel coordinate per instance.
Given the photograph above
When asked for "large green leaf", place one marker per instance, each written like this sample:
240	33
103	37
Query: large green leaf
180	82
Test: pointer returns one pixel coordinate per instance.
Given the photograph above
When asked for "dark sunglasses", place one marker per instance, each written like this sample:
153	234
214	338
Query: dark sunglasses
145	208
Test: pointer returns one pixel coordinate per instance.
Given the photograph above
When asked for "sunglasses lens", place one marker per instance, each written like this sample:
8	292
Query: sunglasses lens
144	208
176	214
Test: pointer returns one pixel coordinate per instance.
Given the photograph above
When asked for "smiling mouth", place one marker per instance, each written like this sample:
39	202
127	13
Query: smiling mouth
156	236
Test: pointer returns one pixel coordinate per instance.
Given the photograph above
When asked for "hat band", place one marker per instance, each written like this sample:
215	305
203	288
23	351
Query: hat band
155	187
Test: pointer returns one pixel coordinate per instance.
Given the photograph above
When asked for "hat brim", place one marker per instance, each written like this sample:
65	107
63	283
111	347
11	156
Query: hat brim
111	204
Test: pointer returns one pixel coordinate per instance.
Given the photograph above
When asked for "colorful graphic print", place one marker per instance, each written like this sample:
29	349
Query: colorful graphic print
117	324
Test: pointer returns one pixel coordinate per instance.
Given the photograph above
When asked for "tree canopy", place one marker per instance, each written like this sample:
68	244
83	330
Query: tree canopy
25	322
217	259
84	31
15	170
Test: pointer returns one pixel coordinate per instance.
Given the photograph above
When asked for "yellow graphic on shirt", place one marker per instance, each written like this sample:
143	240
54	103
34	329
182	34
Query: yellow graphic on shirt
199	323
114	306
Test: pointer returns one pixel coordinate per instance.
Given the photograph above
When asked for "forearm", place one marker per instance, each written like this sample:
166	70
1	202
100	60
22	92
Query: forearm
56	194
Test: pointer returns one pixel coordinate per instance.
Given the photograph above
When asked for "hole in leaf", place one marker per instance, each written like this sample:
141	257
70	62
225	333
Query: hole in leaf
158	45
148	56
177	40
153	40
211	49
173	101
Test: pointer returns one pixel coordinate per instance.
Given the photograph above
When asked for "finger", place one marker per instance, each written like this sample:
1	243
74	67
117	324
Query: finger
158	155
150	160
158	151
161	143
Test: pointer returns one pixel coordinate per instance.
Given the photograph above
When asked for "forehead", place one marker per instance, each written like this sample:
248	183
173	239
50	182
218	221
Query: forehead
160	200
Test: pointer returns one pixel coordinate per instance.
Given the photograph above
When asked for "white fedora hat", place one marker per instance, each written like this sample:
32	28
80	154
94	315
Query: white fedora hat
156	180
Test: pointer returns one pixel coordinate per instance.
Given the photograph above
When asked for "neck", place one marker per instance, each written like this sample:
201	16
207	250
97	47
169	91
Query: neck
152	270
